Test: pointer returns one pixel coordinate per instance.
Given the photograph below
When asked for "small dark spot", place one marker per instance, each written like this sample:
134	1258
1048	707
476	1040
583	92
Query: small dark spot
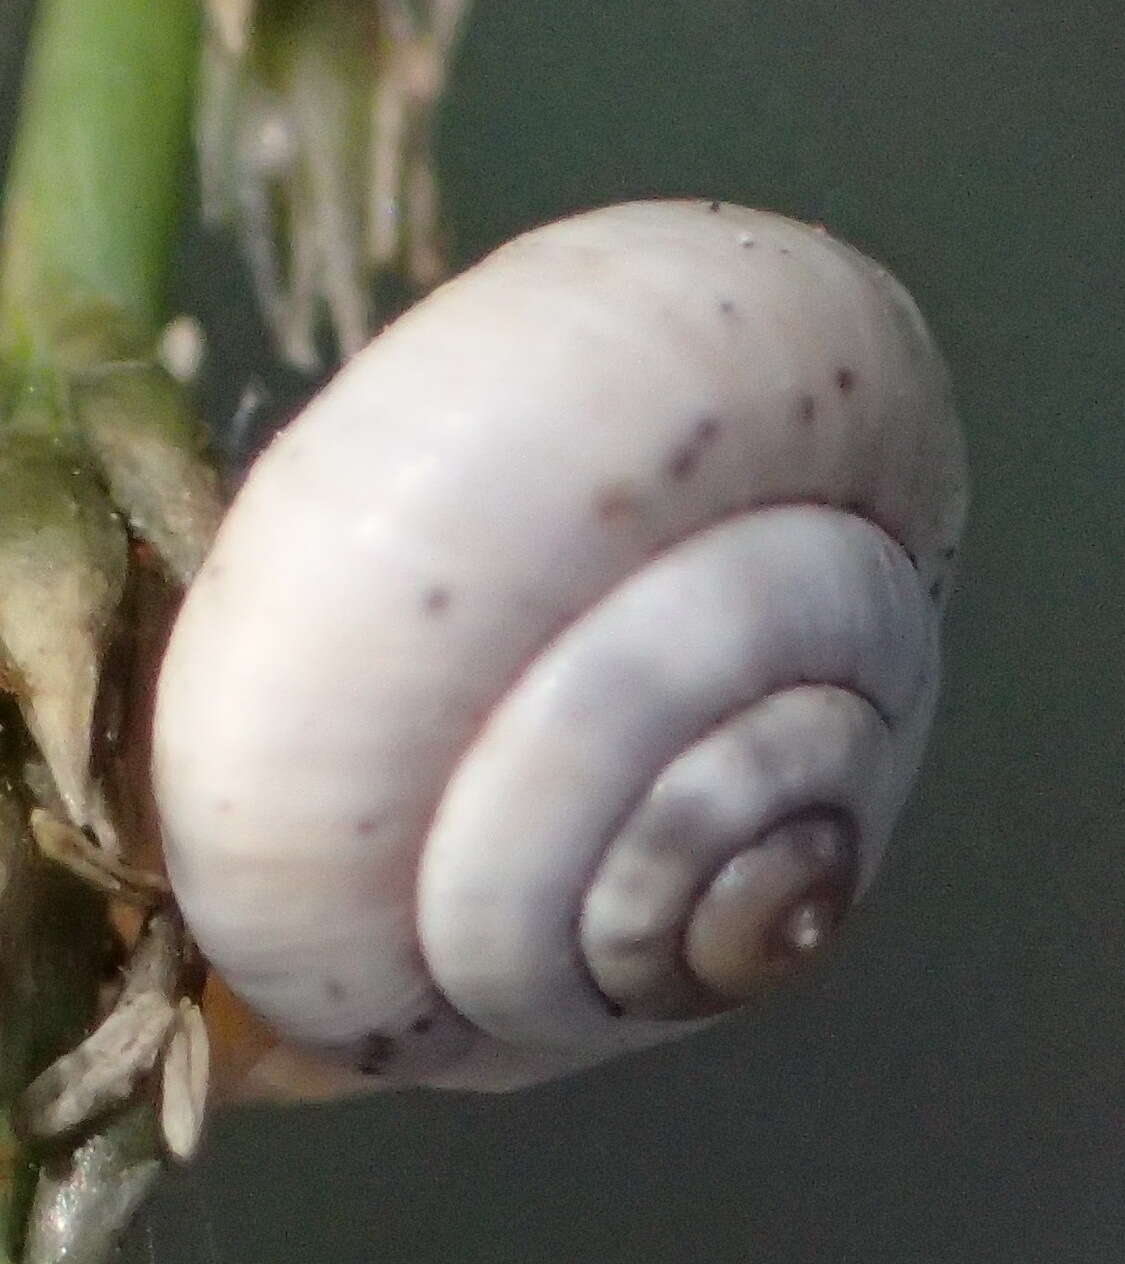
936	590
726	306
436	600
949	553
806	408
224	806
334	990
422	1025
845	379
715	206
615	1009
784	250
366	826
682	464
375	1051
615	503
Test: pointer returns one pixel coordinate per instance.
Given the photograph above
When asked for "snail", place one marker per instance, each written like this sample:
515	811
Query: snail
556	678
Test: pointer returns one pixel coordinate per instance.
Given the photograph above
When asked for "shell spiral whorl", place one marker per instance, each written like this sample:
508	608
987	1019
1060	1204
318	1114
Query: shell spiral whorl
556	678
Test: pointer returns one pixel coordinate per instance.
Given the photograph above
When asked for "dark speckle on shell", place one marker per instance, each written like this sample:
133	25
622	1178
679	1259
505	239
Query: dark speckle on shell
375	1051
684	460
436	600
615	503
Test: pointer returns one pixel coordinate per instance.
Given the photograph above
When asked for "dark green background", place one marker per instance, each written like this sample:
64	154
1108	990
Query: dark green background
953	1088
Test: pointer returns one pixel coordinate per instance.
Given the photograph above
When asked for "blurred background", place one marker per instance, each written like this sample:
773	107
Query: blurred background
952	1088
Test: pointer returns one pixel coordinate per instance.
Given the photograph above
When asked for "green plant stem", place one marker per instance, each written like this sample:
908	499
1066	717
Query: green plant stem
96	178
91	210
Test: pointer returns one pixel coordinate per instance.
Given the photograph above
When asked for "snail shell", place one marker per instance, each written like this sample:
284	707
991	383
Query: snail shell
556	678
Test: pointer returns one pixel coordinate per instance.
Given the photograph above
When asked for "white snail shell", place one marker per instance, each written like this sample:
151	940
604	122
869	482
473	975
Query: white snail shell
556	678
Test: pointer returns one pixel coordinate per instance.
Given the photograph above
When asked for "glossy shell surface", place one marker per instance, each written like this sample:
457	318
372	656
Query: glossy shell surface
630	540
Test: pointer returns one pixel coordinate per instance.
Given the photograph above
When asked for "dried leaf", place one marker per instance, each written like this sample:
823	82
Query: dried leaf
102	1072
152	451
63	556
186	1074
